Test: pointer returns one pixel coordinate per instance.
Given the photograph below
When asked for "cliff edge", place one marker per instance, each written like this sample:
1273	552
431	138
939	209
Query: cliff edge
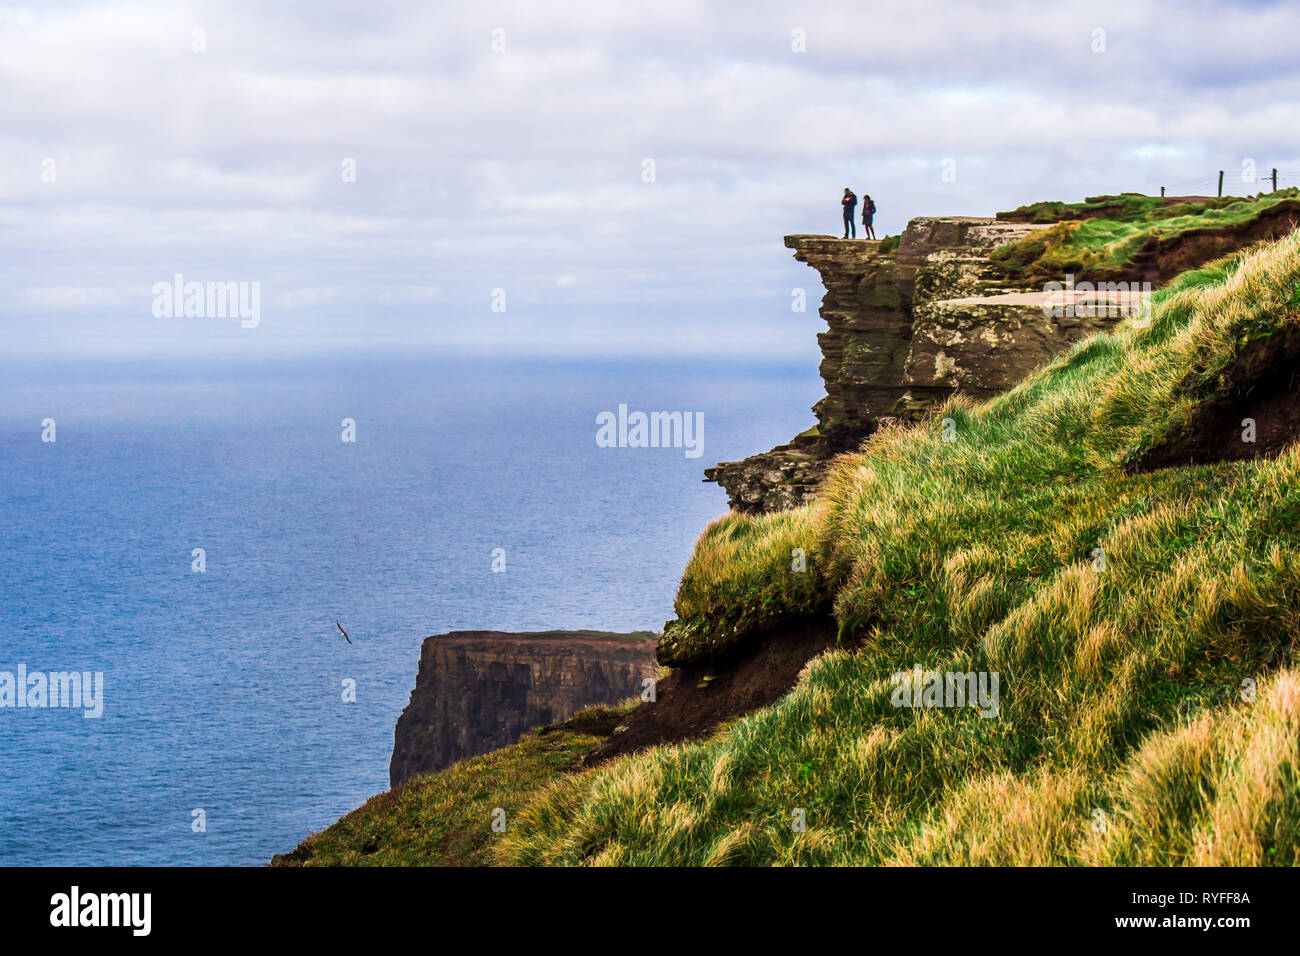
477	691
956	304
890	352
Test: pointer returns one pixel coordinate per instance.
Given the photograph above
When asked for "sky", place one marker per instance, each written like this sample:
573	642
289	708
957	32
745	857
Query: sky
570	179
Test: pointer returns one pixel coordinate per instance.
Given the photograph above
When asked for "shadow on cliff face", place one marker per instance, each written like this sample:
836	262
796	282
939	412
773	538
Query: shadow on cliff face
695	699
1262	386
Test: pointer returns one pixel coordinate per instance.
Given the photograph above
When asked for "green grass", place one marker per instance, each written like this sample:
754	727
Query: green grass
1121	612
1126	207
1122	737
1087	243
742	577
445	818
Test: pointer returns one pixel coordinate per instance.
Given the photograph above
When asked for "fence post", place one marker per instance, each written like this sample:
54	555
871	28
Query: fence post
1274	179
1221	184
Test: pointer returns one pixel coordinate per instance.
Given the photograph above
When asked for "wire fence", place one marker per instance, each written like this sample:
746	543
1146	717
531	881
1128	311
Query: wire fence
1225	183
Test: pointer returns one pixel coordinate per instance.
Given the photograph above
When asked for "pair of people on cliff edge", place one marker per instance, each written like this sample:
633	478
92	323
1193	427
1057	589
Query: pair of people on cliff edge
849	204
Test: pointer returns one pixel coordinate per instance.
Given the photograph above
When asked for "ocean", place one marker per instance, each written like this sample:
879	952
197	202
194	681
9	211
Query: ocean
227	733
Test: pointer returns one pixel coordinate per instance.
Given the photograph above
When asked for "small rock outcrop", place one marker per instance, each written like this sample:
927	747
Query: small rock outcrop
912	320
477	691
890	351
908	324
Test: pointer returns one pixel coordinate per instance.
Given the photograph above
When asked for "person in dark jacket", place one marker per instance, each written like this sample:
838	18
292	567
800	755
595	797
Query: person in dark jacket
849	203
868	213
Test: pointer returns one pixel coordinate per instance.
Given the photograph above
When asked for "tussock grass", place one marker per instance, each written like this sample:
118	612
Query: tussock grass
1122	613
742	576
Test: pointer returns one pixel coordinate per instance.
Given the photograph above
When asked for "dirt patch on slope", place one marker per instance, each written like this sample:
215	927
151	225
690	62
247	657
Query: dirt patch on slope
1263	385
753	674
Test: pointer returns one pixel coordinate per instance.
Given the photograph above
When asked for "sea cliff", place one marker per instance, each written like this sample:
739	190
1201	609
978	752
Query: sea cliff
479	690
956	304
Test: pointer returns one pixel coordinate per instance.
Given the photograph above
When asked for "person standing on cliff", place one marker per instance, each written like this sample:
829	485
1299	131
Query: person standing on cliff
868	213
849	204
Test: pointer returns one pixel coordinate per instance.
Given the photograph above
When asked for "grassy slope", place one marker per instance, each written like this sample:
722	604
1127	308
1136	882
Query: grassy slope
1106	243
1123	735
445	818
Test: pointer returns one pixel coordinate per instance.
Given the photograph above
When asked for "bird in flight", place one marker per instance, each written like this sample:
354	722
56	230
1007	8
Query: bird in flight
343	632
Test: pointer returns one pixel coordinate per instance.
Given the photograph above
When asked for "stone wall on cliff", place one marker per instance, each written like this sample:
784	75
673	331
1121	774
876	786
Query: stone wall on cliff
908	324
477	691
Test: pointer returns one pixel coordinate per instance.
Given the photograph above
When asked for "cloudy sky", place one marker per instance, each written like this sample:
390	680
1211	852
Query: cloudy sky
505	146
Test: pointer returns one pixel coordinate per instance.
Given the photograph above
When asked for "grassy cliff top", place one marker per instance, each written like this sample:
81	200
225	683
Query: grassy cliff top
1142	625
1126	207
1102	236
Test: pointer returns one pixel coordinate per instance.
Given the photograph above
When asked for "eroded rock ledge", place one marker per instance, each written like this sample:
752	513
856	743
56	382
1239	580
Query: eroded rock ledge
908	324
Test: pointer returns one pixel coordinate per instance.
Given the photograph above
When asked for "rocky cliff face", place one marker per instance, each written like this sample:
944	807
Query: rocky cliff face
908	324
480	690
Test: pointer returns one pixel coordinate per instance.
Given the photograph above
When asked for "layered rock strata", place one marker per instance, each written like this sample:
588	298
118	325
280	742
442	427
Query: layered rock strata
908	324
477	691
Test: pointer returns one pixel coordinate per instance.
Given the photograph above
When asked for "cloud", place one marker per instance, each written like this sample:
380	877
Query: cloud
351	155
410	295
308	297
69	297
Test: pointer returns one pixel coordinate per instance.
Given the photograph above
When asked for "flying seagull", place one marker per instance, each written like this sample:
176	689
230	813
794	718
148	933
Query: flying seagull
343	632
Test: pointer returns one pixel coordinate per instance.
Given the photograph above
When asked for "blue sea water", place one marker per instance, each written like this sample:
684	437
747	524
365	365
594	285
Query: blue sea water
224	690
